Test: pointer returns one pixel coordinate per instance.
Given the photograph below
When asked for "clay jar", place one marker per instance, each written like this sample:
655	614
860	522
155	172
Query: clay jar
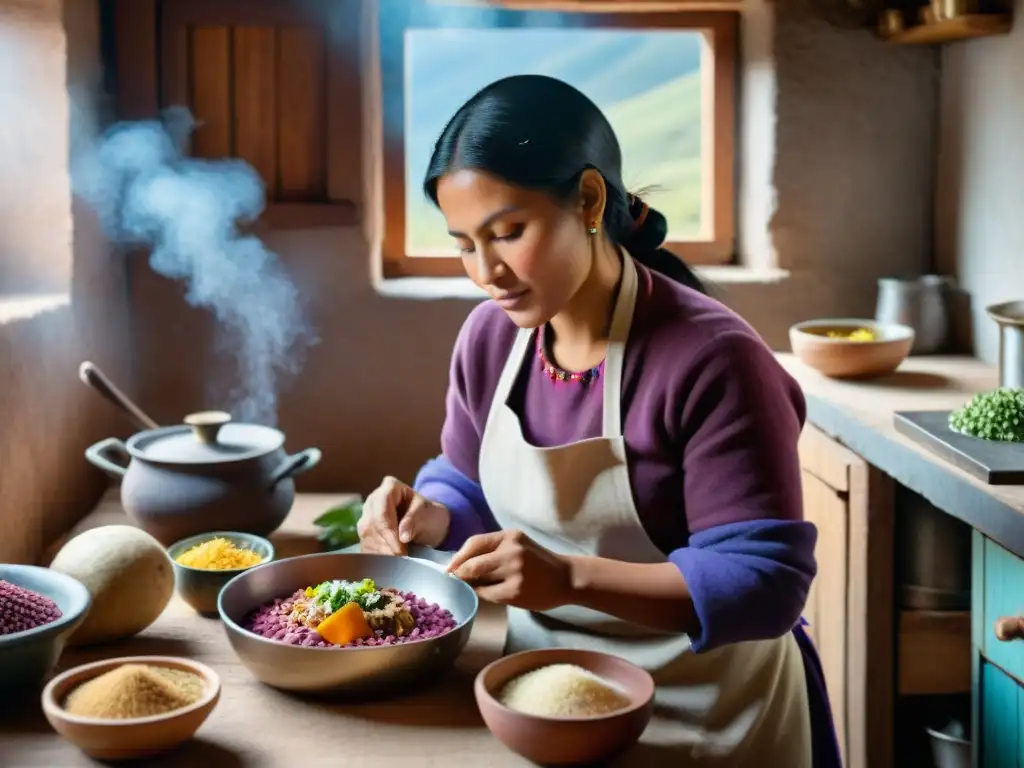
206	475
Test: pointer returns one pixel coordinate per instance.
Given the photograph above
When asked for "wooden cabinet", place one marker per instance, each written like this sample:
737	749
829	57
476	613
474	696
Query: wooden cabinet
850	606
871	652
273	82
997	592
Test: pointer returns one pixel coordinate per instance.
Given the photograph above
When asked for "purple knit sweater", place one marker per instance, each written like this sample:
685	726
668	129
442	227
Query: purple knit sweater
711	423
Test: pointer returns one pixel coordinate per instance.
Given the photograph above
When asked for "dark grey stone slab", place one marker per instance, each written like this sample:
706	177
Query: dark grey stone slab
989	461
951	493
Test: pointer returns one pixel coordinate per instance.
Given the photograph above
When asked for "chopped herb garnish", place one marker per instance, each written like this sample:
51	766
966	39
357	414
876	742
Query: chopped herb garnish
335	594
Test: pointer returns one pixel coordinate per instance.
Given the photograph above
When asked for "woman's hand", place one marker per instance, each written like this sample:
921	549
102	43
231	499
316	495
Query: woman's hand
509	568
394	516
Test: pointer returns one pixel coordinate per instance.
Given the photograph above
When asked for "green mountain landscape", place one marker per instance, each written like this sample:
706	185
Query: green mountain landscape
647	82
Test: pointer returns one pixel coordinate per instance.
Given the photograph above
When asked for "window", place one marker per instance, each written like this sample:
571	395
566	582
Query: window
665	80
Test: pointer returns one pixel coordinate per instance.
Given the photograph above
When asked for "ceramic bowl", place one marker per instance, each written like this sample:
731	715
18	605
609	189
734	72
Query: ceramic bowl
363	672
26	658
566	740
199	587
841	357
135	737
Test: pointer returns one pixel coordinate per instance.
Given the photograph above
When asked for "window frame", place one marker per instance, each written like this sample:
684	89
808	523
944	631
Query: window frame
721	33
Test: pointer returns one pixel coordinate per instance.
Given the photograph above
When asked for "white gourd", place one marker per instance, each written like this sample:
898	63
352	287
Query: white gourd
128	574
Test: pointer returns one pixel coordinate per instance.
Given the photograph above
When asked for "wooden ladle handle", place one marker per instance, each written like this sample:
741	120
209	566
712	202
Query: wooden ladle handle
1010	628
95	378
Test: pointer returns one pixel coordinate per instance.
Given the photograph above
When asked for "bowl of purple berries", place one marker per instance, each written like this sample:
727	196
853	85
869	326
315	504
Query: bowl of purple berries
39	609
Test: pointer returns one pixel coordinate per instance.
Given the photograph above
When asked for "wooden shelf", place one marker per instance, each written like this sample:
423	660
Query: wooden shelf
934	652
951	30
309	215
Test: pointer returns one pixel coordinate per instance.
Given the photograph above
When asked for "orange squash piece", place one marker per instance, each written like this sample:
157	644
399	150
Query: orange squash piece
345	625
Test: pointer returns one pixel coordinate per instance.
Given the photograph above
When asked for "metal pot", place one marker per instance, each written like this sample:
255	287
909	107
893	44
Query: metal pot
1010	319
922	304
948	750
933	556
205	475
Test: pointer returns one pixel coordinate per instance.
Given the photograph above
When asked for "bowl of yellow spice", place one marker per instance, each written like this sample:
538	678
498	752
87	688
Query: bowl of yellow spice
851	348
203	564
131	707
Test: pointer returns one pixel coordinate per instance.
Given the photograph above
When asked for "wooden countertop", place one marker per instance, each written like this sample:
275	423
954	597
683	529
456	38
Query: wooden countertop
254	725
860	415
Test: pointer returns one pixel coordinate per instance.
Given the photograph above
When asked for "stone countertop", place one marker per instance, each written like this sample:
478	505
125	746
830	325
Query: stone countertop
255	725
860	415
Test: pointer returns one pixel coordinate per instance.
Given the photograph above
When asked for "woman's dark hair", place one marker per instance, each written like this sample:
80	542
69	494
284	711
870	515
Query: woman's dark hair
540	133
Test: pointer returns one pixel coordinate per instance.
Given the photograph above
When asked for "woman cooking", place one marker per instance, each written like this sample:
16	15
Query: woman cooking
619	459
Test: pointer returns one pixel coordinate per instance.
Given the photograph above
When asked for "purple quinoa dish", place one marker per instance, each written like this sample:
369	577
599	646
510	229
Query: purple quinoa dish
349	614
22	609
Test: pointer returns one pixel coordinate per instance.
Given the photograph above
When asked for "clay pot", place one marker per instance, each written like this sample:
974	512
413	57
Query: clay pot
206	475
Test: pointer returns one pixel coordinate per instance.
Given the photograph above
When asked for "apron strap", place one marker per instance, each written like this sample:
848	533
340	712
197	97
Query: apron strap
513	364
622	320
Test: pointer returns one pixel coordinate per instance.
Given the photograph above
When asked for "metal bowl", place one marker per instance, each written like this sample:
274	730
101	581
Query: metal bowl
350	671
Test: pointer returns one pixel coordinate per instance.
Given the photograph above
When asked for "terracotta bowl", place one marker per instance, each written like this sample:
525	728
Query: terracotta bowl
844	358
199	587
136	737
566	740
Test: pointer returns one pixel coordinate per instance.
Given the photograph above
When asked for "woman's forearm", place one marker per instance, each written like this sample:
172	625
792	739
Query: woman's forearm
439	481
652	595
748	580
737	582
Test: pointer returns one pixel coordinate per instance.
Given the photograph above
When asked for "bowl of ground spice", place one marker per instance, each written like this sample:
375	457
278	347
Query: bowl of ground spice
203	564
39	609
851	348
131	707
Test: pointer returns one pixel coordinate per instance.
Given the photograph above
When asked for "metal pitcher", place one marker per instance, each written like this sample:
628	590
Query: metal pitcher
921	303
1009	316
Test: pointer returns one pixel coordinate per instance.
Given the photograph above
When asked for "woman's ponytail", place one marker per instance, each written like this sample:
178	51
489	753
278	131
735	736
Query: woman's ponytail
642	230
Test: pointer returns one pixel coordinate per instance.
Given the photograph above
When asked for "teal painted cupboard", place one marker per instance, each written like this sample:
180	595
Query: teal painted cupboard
998	594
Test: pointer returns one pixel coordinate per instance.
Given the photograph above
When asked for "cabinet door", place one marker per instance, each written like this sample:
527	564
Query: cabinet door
273	82
850	605
1001	719
1000	595
826	602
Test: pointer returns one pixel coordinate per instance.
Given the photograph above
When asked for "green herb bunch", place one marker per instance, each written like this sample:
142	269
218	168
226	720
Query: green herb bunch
996	415
338	525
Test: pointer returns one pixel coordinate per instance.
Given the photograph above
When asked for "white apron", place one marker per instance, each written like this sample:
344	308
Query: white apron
738	705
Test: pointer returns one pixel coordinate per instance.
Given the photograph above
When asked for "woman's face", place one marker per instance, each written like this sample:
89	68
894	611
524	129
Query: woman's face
530	253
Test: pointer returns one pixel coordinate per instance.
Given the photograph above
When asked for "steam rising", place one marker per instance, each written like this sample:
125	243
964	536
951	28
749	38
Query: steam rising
146	192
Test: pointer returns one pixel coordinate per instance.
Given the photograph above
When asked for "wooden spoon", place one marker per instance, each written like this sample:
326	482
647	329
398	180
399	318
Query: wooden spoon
95	378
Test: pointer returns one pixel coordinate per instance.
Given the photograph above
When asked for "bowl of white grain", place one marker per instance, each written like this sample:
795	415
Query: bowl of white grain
563	706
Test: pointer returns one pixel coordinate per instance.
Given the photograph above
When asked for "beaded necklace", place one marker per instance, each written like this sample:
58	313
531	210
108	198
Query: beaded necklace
555	373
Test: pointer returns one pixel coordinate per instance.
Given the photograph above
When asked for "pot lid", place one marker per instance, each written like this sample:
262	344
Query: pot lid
205	438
